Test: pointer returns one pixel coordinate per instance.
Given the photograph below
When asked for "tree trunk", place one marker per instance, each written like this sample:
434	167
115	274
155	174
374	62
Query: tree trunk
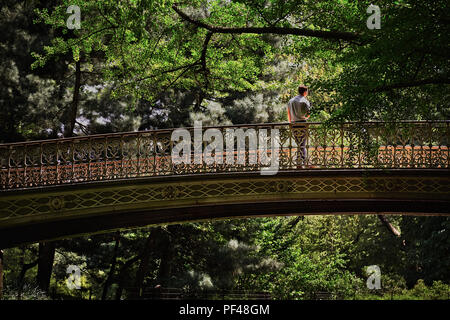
68	131
25	268
109	280
45	264
166	261
388	225
143	266
122	274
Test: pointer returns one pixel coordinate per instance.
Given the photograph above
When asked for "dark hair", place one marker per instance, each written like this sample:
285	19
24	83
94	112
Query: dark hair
302	89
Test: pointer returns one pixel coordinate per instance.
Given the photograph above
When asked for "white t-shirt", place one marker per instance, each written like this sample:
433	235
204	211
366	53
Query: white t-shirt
298	108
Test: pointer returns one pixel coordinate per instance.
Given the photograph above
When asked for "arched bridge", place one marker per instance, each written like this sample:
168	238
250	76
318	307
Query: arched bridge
57	188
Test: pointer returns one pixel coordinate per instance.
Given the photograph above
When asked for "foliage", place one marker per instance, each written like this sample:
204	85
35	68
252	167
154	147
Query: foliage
149	64
30	291
357	73
291	258
437	291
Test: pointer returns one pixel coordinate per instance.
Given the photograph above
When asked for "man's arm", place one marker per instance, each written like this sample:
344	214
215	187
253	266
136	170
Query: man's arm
306	107
289	113
309	109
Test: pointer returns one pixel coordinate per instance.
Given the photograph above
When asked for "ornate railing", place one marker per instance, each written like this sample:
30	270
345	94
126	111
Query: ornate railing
407	144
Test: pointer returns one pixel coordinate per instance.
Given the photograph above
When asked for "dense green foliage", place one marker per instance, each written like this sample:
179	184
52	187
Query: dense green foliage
141	64
399	71
292	258
154	63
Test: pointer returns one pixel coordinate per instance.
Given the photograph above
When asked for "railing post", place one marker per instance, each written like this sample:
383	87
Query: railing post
377	143
413	134
290	152
24	183
342	145
72	153
307	134
89	159
40	164
394	146
359	136
448	145
171	166
430	145
138	164
325	147
154	153
121	157
57	162
204	144
247	151
105	170
8	166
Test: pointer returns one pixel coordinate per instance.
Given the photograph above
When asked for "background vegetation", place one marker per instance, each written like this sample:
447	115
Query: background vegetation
143	64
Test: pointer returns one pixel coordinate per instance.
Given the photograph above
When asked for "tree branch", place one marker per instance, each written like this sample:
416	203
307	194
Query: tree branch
205	70
83	127
89	35
205	48
68	131
388	225
163	72
335	35
412	84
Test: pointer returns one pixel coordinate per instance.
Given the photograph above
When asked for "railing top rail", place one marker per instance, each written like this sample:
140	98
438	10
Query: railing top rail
272	124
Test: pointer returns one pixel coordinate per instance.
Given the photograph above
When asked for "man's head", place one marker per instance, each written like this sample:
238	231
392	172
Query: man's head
303	90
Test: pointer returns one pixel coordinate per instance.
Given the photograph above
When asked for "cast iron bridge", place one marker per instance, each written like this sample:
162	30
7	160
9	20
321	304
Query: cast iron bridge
58	188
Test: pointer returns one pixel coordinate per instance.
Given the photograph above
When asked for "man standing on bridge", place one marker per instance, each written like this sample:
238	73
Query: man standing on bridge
299	110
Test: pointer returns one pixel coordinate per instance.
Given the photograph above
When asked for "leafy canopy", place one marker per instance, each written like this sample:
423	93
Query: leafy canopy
213	47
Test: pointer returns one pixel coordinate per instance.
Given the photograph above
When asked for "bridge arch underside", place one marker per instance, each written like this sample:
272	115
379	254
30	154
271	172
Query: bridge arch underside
52	212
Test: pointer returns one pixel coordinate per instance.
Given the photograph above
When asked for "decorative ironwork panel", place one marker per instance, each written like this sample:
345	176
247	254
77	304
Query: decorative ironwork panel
185	192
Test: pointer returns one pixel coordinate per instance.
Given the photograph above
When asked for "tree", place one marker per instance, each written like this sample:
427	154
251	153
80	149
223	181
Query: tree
212	47
426	246
146	64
